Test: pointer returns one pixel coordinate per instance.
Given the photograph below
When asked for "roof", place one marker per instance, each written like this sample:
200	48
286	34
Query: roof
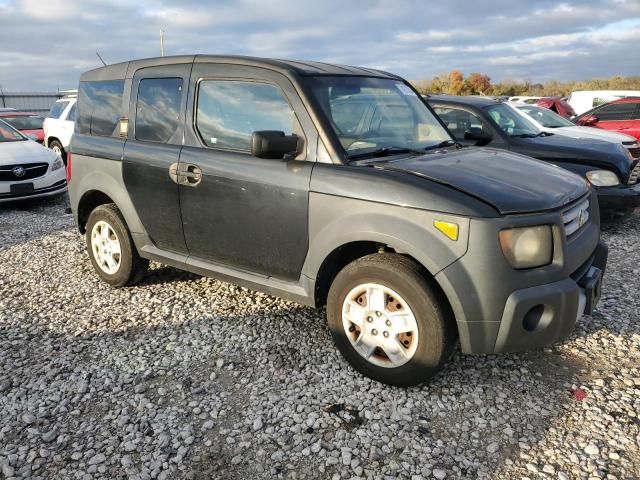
625	100
290	67
475	101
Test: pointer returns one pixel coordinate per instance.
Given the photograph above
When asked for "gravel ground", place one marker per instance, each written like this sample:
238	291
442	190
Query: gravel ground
188	377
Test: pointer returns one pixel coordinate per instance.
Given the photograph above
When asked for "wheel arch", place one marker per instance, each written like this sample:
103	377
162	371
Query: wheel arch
51	139
95	182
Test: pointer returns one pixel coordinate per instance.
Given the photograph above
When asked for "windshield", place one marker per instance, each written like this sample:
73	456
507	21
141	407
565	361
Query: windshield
545	117
511	122
9	134
24	122
370	115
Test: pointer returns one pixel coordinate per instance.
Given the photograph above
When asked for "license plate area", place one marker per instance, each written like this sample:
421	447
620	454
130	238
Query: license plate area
592	286
21	188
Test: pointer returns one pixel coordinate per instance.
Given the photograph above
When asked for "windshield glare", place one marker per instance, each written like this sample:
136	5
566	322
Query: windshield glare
546	117
368	114
25	122
9	134
511	122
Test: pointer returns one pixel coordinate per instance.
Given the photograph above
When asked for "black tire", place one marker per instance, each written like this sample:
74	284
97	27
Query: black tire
436	326
132	267
63	153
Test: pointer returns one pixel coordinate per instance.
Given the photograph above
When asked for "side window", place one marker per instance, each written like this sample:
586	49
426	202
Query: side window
158	108
616	111
229	111
56	109
99	107
71	117
598	101
459	121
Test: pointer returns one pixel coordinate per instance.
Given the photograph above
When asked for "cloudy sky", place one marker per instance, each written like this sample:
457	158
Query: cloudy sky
46	44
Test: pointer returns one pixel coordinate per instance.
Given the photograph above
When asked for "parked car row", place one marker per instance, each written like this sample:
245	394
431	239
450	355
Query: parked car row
416	222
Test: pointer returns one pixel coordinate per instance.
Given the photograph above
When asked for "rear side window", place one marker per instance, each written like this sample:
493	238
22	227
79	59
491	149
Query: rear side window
57	109
228	112
616	111
158	109
99	107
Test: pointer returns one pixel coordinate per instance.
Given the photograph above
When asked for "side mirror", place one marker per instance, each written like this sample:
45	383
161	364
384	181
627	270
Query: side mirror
275	144
589	121
477	135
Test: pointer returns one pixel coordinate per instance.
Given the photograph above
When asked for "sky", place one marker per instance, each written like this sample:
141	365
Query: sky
46	44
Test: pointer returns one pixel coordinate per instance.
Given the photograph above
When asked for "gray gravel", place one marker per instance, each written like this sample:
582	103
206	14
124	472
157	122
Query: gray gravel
188	377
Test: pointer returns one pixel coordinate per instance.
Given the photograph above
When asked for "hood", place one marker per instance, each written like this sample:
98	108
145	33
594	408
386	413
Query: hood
586	151
509	182
590	132
24	151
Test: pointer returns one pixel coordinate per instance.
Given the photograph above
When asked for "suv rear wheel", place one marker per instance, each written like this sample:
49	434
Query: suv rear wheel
111	248
388	322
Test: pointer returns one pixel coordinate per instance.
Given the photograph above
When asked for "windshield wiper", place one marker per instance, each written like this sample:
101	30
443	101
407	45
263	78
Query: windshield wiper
446	143
383	152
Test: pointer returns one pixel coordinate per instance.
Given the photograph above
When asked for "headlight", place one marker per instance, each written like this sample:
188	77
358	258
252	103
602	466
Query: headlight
603	178
527	247
57	164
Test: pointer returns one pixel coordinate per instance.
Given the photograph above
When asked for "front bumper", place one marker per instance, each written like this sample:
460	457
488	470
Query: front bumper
50	184
498	308
620	200
546	314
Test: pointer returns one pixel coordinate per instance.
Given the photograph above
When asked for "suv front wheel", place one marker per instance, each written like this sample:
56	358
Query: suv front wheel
387	320
111	248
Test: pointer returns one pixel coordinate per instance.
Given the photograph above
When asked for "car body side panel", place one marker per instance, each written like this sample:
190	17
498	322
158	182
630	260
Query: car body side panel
97	166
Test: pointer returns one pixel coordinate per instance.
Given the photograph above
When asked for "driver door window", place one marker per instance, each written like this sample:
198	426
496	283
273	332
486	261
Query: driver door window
229	111
460	121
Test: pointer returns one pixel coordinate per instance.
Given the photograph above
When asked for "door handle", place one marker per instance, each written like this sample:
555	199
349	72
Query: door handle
186	174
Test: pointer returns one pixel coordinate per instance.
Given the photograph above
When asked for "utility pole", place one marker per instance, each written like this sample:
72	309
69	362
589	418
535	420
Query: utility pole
161	42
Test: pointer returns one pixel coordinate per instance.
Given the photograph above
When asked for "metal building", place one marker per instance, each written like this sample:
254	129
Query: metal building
36	102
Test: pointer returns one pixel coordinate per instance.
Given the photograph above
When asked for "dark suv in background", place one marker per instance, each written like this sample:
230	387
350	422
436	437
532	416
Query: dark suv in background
610	167
332	186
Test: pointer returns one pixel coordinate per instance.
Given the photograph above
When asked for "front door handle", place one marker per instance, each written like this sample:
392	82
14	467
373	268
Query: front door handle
186	174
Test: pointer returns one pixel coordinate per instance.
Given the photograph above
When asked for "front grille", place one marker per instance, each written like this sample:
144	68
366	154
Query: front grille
19	172
634	151
635	174
575	218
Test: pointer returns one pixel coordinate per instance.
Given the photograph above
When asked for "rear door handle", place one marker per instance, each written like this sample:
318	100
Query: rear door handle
186	174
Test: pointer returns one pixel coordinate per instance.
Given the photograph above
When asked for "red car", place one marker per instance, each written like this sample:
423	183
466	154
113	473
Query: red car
27	123
622	115
557	105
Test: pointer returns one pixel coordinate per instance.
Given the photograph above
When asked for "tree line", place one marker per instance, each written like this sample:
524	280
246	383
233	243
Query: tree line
455	83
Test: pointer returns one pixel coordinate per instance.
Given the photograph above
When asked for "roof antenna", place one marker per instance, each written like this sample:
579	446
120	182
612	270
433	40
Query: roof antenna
161	42
103	62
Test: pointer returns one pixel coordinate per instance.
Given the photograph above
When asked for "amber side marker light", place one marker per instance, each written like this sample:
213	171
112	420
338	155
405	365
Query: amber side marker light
448	228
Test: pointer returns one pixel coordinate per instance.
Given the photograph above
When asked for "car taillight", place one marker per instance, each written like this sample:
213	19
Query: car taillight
68	167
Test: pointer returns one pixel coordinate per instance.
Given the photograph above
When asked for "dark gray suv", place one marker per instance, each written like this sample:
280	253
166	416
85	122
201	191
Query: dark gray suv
260	173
